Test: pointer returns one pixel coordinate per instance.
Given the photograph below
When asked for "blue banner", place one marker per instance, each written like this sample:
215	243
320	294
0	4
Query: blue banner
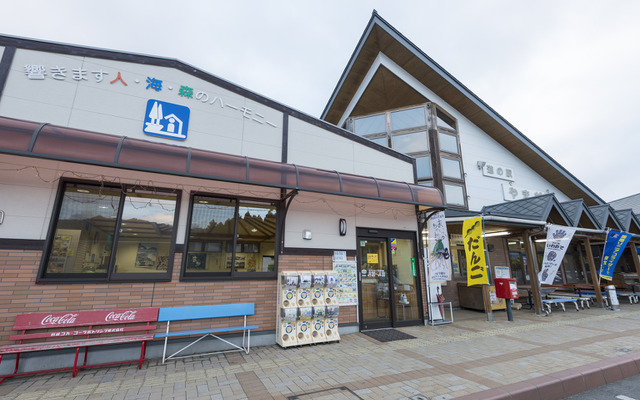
613	247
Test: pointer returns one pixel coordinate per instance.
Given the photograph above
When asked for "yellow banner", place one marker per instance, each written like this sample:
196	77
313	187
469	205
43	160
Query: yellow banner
474	250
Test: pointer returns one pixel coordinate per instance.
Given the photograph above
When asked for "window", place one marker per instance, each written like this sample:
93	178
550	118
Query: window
451	168
410	142
230	238
423	165
448	143
406	119
454	194
369	125
111	233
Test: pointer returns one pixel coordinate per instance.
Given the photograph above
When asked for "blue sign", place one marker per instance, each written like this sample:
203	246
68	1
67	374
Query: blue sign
166	120
613	247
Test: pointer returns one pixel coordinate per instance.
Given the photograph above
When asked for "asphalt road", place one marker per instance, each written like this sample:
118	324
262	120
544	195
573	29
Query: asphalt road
626	389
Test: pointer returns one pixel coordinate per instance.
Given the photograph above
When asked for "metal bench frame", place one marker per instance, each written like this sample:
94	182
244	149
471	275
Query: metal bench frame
173	314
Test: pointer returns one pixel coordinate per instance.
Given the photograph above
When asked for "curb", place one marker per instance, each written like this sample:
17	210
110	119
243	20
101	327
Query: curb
562	384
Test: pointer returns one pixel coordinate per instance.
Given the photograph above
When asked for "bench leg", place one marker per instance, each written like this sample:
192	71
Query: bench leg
142	354
563	309
75	363
575	303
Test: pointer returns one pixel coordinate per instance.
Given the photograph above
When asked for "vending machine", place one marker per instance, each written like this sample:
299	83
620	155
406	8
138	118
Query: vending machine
317	288
330	289
303	325
287	331
288	283
304	289
318	334
331	323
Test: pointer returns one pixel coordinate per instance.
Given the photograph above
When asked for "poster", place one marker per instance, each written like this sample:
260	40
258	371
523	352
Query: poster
558	239
147	255
474	251
347	289
439	250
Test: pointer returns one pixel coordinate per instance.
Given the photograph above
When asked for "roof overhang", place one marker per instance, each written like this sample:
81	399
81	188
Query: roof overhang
380	37
41	140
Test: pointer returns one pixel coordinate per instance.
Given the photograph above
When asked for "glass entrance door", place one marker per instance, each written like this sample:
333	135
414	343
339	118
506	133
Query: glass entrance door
389	294
374	280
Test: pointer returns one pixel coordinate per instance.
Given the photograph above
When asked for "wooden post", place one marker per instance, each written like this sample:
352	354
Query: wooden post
634	255
486	298
532	268
594	273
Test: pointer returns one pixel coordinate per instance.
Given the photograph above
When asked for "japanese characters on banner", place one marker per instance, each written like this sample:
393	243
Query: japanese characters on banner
474	251
558	239
613	247
347	282
439	250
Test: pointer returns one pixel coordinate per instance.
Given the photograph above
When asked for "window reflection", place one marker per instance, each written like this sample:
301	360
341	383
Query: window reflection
369	125
87	227
405	119
448	143
410	142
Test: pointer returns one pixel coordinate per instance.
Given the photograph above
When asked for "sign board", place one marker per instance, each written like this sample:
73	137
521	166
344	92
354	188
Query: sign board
166	120
503	272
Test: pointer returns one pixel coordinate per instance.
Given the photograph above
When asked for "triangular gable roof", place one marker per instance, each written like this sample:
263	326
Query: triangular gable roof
380	37
541	208
579	214
628	220
605	217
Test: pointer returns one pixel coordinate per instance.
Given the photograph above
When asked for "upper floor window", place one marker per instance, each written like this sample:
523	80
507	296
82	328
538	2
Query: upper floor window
230	237
111	233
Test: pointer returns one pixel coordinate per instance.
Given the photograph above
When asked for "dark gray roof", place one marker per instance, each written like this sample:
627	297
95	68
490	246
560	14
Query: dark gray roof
535	208
628	220
575	209
602	215
632	202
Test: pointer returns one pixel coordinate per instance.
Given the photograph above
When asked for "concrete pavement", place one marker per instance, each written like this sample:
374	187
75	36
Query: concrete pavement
534	357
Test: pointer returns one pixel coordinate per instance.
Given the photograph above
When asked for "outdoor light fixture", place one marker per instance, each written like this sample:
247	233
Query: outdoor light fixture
342	226
306	234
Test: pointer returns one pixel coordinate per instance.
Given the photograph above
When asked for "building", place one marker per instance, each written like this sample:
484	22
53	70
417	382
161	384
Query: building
136	181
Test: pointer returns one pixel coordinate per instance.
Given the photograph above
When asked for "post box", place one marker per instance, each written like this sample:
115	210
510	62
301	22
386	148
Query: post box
506	288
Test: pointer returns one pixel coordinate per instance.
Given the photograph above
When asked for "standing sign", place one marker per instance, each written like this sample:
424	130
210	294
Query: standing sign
439	251
474	251
558	239
613	247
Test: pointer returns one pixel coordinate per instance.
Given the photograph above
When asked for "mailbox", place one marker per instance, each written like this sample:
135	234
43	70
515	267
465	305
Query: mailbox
506	288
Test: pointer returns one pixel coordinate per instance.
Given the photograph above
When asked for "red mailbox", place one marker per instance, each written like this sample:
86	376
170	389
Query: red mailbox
506	288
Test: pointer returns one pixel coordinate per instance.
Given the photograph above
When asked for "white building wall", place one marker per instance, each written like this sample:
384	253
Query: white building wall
315	147
321	214
476	146
225	122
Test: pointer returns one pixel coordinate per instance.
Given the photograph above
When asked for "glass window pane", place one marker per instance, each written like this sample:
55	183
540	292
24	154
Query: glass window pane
410	143
451	168
146	233
406	119
423	165
383	141
445	121
448	143
454	194
212	228
369	125
84	233
256	247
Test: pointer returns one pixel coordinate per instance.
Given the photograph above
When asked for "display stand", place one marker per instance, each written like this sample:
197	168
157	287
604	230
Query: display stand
307	308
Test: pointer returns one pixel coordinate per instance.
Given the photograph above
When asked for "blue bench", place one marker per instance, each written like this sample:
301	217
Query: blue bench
172	314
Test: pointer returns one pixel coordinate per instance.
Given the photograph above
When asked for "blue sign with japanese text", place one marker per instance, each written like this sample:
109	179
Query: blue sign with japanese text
166	120
613	247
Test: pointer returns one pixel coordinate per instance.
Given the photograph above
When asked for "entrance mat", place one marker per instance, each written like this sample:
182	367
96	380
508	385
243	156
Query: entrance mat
387	335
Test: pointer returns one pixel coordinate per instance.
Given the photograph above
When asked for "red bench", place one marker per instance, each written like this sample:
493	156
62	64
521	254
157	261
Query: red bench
80	329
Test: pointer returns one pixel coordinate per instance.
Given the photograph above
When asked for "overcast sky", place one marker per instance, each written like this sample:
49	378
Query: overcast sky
565	73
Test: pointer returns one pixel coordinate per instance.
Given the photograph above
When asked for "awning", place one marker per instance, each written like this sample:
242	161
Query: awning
32	139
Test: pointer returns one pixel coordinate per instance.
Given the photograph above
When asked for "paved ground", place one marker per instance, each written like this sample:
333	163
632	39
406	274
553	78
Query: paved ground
535	357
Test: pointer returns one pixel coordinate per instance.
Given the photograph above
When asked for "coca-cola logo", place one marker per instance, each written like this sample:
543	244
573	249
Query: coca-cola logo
121	316
59	320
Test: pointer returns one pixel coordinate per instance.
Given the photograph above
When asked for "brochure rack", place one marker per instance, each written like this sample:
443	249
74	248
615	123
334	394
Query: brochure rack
307	308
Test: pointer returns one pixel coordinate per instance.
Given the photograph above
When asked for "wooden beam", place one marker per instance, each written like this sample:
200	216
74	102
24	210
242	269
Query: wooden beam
532	267
594	273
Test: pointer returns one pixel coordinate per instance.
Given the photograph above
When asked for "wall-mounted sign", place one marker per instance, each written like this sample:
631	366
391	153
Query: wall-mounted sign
496	171
166	120
518	193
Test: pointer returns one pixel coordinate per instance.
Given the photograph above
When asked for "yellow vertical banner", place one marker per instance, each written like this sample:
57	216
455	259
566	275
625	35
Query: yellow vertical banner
474	250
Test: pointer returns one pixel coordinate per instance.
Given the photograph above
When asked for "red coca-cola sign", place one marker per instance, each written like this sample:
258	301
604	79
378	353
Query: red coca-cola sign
128	315
59	319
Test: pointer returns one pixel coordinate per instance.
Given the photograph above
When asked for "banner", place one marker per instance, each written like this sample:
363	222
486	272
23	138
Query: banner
474	251
613	247
439	250
558	239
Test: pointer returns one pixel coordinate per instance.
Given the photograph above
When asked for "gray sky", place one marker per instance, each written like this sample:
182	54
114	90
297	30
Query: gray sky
565	73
